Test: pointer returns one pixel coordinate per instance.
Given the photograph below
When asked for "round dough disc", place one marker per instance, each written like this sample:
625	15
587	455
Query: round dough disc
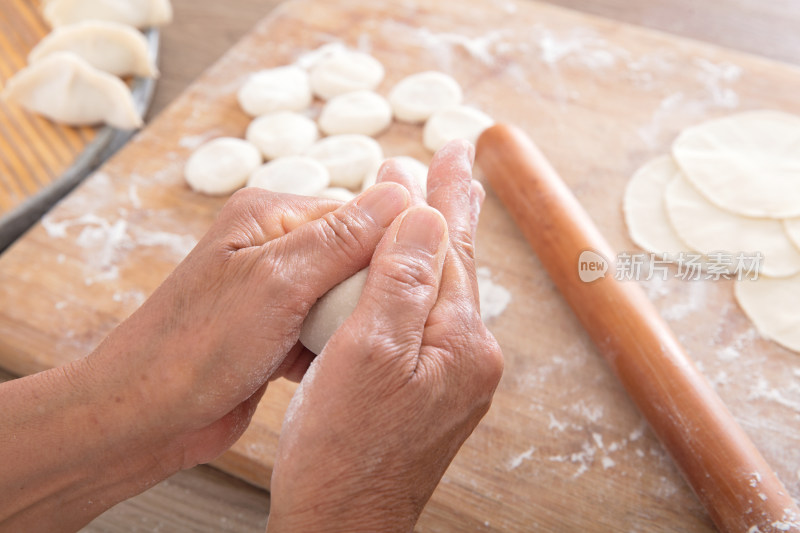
344	72
792	228
415	98
460	122
774	307
348	158
416	168
362	112
282	133
337	193
645	210
707	228
331	311
221	166
748	163
291	175
277	89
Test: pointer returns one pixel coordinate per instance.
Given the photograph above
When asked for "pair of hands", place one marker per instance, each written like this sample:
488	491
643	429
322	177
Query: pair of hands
378	416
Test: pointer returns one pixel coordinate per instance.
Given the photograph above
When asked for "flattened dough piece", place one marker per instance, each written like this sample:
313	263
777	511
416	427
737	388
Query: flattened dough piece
362	112
707	228
291	175
65	88
418	96
792	228
331	311
646	211
460	122
221	166
275	89
416	168
748	163
774	307
343	72
282	133
139	13
348	158
112	47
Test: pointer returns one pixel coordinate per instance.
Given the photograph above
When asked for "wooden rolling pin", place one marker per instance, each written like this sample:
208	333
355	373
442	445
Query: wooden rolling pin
726	471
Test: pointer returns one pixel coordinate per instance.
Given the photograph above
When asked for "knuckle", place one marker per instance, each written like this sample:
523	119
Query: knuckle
470	340
245	211
462	243
406	277
281	276
243	199
343	233
492	361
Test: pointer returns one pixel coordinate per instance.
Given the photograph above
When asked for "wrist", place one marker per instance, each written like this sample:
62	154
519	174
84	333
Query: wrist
72	451
341	504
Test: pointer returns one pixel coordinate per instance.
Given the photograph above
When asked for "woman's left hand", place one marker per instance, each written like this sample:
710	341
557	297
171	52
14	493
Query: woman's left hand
177	383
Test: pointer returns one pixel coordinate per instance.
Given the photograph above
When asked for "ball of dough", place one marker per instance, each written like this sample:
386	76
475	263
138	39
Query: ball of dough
415	98
337	193
277	89
291	175
221	166
774	307
460	122
331	311
792	228
645	210
707	228
746	163
282	133
345	72
362	112
416	168
348	158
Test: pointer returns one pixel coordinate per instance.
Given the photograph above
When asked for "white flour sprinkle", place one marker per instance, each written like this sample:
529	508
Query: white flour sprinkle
763	390
517	460
480	47
133	196
308	59
106	243
494	298
555	424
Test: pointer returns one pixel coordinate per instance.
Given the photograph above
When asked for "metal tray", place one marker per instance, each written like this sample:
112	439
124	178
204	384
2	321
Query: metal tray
105	143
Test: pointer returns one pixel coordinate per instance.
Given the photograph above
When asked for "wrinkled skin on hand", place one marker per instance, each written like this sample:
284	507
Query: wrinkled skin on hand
228	318
380	415
402	384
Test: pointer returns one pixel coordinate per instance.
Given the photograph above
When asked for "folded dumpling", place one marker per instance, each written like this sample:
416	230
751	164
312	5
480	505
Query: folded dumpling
110	46
139	13
65	88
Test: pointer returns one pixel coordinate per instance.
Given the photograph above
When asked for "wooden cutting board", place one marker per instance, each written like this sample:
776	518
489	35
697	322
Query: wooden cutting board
562	448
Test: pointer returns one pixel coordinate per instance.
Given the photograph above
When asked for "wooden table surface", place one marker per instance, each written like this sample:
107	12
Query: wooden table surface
204	499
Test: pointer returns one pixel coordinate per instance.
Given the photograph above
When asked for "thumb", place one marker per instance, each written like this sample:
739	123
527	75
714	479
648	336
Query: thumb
401	289
326	251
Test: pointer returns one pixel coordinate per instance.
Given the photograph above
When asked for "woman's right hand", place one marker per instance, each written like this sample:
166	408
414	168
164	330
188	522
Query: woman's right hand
384	408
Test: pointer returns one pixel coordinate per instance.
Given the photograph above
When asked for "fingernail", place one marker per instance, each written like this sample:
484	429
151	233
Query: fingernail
384	202
422	228
390	166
